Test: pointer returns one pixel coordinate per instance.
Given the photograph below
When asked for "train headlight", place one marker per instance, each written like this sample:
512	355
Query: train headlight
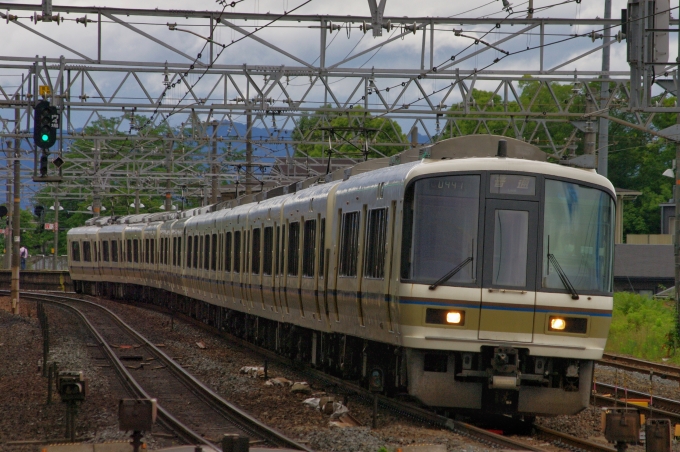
453	317
557	323
445	317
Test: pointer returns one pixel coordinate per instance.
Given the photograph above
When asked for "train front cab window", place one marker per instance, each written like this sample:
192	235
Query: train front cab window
441	221
578	228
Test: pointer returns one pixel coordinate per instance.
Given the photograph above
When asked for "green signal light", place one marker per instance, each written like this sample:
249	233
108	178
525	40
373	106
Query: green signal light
44	137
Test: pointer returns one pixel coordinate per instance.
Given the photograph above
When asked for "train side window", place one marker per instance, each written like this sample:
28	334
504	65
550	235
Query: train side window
322	246
246	256
174	251
283	248
189	251
293	248
105	250
128	250
237	251
376	238
217	247
135	247
276	252
227	252
152	252
308	248
114	250
87	251
213	253
268	250
349	244
75	251
146	250
197	251
256	251
206	252
179	251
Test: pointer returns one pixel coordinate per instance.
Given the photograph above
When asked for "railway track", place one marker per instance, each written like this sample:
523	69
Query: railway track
186	406
609	395
556	438
638	365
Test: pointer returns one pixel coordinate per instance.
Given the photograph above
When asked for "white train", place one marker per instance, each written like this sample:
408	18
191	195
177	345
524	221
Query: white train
466	277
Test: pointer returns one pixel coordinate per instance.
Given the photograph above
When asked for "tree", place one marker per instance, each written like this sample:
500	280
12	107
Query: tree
348	133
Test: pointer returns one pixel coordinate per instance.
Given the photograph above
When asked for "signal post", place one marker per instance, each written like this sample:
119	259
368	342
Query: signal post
16	215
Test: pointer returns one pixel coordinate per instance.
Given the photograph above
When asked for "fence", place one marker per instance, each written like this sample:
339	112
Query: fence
40	262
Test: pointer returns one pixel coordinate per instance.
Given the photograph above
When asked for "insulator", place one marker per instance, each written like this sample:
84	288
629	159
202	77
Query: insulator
84	20
365	27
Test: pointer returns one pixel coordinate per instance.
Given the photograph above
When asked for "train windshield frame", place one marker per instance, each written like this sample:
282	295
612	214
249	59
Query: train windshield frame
444	222
583	218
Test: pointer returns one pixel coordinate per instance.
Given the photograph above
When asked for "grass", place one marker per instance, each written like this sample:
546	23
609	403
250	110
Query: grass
643	327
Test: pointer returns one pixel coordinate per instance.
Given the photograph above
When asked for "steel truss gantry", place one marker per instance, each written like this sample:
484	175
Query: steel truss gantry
429	82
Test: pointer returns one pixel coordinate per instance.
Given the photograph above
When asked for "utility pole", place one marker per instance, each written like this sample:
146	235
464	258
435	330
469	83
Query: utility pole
589	136
676	196
249	153
213	164
56	226
603	139
16	214
8	229
168	182
96	185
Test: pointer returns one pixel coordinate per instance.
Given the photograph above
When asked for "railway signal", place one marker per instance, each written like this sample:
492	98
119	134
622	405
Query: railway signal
45	125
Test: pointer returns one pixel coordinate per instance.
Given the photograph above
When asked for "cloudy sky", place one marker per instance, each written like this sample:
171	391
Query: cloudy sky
303	41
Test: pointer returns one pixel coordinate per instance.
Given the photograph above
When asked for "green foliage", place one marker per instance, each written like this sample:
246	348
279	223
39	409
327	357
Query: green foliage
348	140
122	156
642	327
636	162
534	96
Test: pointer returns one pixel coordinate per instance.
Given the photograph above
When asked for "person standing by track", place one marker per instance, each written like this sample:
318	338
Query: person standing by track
23	254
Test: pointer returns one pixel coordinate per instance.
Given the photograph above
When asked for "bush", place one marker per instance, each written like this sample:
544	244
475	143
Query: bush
642	327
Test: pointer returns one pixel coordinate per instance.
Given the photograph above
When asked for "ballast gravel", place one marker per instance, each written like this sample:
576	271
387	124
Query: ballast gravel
23	390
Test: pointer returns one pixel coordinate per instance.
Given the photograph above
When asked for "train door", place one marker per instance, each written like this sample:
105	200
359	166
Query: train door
509	270
376	265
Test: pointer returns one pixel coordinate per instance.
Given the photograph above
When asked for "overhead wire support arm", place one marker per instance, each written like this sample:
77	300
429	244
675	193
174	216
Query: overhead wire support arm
377	12
477	40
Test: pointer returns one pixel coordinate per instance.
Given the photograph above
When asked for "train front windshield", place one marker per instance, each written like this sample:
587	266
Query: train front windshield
442	215
578	231
442	223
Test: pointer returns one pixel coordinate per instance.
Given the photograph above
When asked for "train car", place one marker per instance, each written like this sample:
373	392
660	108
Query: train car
472	273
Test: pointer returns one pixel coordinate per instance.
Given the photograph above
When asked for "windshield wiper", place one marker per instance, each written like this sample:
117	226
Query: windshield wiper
450	274
563	276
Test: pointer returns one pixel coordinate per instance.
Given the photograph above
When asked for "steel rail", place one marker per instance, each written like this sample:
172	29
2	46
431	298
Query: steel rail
239	417
607	395
560	439
128	381
405	409
638	365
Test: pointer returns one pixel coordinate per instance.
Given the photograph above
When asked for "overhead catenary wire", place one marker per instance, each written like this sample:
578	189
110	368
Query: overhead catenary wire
497	60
